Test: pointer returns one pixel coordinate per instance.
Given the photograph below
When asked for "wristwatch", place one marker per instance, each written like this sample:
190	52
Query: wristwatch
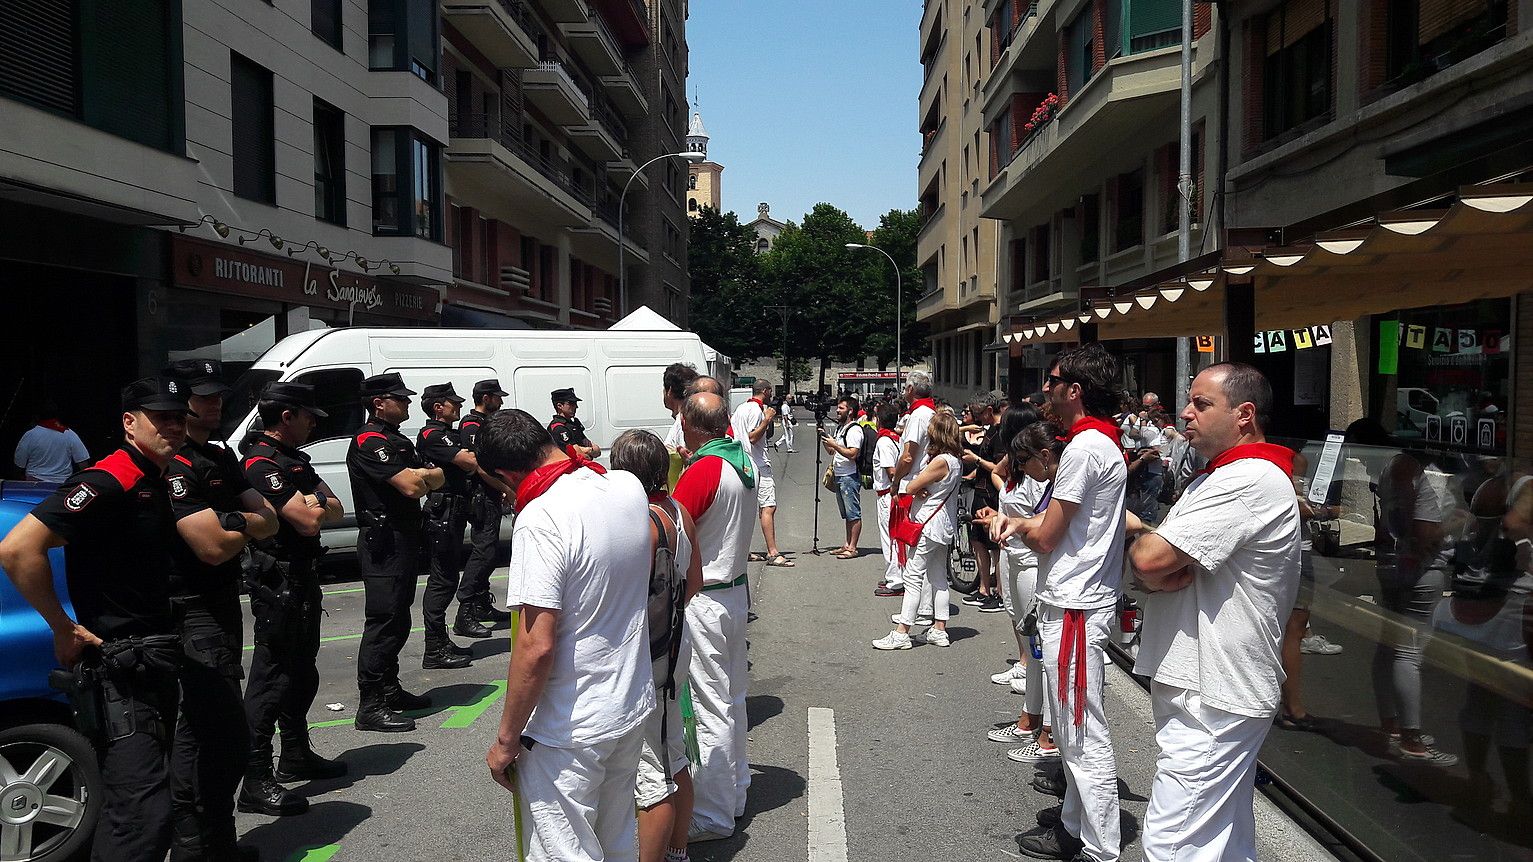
319	496
234	522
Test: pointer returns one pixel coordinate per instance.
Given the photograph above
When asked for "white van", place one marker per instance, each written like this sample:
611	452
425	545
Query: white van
617	375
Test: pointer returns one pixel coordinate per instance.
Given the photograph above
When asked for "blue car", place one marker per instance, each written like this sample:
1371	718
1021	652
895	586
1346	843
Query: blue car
50	787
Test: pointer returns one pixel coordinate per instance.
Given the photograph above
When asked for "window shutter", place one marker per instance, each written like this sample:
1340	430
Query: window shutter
1439	16
37	54
1147	17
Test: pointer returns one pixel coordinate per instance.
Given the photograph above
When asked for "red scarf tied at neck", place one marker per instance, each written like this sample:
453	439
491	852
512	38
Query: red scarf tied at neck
1087	423
54	425
1272	453
543	478
930	403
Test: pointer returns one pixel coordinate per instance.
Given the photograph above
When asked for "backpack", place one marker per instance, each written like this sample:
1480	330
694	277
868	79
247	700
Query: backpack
667	601
865	453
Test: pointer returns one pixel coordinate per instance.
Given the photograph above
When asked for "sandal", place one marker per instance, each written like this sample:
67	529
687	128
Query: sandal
845	555
756	557
781	562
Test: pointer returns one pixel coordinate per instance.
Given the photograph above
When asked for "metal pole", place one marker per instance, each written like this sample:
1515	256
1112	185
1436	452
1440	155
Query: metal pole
1184	190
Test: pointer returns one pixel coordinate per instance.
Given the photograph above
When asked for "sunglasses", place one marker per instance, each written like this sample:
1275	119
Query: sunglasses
1052	380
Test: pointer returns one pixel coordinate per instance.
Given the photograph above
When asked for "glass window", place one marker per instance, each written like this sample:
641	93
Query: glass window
406	180
253	145
1453	385
329	163
1296	76
335	391
325	20
1129	231
402	37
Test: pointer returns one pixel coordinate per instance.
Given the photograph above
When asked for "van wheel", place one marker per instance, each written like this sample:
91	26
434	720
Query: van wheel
50	793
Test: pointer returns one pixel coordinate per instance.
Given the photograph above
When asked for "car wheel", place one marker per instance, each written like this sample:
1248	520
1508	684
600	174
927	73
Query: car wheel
50	793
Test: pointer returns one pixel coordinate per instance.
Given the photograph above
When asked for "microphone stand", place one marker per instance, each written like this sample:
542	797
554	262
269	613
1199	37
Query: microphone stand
819	455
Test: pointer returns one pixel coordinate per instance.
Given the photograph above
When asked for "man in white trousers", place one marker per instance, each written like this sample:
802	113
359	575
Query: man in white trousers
1222	567
1079	540
913	457
718	489
578	687
886	454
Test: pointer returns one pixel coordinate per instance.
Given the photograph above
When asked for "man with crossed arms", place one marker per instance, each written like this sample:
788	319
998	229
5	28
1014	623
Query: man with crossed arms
1221	568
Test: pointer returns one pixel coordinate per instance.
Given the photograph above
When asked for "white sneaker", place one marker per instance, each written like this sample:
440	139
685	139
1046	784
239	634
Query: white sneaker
935	637
1018	684
921	620
1012	734
893	640
1033	753
1318	645
1006	676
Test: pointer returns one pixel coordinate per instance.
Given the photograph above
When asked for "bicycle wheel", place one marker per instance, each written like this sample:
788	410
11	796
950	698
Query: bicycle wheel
963	570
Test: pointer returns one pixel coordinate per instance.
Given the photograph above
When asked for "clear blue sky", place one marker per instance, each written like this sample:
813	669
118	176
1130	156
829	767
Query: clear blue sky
809	101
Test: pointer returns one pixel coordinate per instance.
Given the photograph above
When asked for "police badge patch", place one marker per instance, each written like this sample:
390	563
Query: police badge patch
383	454
274	480
178	487
80	497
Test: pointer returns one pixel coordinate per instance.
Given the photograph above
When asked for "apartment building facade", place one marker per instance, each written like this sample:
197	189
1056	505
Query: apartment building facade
206	178
1082	108
956	248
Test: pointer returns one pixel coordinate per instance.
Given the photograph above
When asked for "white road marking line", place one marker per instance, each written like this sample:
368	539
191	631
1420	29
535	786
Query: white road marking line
827	818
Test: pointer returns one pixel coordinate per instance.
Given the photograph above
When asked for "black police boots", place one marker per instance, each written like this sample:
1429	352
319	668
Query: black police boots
441	655
399	700
487	612
373	713
467	625
261	794
299	762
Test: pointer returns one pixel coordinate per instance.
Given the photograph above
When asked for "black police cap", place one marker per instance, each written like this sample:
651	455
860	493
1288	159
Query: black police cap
299	396
389	383
156	393
441	392
488	387
562	395
204	376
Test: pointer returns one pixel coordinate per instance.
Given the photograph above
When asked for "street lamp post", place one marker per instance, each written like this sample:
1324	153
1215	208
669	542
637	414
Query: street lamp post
622	273
899	311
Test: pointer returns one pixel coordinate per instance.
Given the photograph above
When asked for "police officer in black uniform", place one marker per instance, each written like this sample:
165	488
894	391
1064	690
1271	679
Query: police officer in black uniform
484	515
446	515
285	600
388	481
115	524
216	514
566	430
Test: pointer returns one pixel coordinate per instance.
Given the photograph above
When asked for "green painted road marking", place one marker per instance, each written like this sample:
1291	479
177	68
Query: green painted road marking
464	716
316	854
334	638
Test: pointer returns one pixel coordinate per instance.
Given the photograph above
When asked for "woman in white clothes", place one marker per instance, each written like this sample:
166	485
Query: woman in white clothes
1012	423
935	506
1031	463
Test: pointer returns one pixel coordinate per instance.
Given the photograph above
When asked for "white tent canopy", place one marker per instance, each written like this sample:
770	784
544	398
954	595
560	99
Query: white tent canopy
646	319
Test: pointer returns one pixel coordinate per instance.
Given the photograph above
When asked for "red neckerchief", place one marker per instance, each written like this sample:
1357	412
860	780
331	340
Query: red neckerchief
1086	423
922	402
757	401
544	477
659	497
885	432
1272	453
54	425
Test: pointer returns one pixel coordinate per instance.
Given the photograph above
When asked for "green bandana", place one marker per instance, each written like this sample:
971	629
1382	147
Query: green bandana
732	453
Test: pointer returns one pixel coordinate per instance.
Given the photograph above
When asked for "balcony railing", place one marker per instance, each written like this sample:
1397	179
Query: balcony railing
508	135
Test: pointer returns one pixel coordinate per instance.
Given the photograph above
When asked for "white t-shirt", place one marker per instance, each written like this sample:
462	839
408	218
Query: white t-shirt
747	416
915	432
48	455
724	511
582	548
937	506
1021	501
1222	635
849	436
886	453
673	438
1085	571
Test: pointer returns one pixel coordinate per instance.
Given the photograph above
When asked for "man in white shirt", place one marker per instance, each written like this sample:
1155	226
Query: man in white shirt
673	391
886	454
718	491
50	451
913	458
844	447
750	424
579	685
1222	571
1079	539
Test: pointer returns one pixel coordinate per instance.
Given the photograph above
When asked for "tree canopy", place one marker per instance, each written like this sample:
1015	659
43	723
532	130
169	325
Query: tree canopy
841	300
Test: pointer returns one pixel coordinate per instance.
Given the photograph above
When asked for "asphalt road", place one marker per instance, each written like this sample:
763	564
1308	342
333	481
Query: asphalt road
856	754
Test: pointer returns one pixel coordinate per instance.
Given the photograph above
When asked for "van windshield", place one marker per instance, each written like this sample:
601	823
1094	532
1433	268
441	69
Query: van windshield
239	402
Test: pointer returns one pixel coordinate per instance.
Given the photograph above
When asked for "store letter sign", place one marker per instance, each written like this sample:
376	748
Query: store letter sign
1205	344
1415	337
1458	430
1492	343
1487	433
1322	335
1277	341
1442	340
1467	339
1260	341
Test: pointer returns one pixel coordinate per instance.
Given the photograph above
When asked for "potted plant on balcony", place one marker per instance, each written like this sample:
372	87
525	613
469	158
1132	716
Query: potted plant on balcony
1043	113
